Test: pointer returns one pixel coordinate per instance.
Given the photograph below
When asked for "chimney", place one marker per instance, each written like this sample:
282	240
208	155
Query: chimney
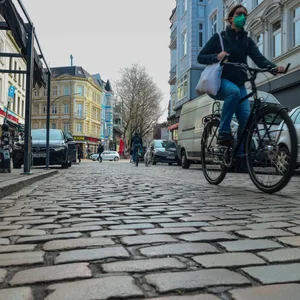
71	57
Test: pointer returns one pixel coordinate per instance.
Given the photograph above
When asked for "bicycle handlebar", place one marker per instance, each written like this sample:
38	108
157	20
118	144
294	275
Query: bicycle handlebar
273	71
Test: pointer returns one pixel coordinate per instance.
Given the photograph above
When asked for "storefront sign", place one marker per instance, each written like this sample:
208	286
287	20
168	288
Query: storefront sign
93	140
79	138
10	117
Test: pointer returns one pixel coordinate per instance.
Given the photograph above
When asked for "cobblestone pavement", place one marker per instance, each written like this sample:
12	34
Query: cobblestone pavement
114	231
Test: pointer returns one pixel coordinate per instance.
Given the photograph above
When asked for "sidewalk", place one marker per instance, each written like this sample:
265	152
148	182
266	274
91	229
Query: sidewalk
14	181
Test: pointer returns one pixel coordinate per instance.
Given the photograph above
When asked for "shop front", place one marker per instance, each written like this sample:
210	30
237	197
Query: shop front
174	131
88	145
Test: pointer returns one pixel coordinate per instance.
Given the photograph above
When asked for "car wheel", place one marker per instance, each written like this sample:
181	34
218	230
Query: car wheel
70	164
184	161
65	165
116	158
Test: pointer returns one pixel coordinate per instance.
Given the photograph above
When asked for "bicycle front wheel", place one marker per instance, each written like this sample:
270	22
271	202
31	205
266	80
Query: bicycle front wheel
271	149
213	170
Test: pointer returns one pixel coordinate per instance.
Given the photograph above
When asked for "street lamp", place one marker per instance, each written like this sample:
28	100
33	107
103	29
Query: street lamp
48	125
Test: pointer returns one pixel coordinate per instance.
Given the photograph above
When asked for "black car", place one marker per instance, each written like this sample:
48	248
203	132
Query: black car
162	151
61	149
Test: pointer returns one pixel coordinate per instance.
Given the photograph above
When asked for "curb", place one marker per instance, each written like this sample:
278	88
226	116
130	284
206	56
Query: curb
17	184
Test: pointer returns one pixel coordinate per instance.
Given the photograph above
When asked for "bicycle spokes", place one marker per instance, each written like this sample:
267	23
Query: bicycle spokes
269	150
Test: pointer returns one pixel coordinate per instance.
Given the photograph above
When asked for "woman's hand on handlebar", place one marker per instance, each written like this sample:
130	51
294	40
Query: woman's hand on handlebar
280	70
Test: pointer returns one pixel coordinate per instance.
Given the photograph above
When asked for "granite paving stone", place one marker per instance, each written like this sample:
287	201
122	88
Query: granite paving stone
143	265
184	224
3	274
76	243
113	232
175	230
269	225
21	293
190	297
21	258
132	226
281	255
167	282
207	236
224	260
224	228
10	227
112	287
91	254
147	239
269	292
77	229
22	232
48	237
275	274
249	245
51	273
4	241
178	249
254	234
290	240
17	248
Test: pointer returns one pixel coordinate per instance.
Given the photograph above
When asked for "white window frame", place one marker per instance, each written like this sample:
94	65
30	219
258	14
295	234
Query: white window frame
54	109
79	127
66	108
53	125
55	90
67	90
201	33
296	19
274	34
36	93
66	126
184	7
80	90
79	112
182	87
260	43
214	22
184	44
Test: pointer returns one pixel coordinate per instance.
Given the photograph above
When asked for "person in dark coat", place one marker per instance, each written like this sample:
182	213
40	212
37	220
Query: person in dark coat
100	151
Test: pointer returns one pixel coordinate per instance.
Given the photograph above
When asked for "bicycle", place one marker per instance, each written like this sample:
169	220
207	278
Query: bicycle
269	164
137	155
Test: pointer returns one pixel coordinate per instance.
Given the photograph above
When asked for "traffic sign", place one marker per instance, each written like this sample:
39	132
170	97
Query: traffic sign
11	91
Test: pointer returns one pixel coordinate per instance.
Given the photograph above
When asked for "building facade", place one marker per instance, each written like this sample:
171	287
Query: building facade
75	106
193	22
275	26
16	107
118	125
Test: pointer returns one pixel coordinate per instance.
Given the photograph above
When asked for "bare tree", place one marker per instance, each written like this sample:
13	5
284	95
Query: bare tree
141	99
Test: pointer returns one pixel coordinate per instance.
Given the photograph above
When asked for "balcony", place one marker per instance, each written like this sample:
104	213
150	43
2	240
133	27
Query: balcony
118	127
173	42
172	79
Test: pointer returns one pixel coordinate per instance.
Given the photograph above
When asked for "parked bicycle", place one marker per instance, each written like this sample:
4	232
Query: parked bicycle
270	164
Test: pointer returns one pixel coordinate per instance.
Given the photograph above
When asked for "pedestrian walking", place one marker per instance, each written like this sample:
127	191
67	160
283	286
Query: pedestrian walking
100	151
80	153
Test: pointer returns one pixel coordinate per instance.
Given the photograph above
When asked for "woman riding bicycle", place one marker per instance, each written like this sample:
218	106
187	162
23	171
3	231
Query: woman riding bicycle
237	46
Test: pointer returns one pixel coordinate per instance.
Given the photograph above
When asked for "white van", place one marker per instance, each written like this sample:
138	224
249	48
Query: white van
191	127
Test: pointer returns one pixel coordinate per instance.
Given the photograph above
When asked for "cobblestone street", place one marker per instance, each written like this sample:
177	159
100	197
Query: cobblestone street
114	231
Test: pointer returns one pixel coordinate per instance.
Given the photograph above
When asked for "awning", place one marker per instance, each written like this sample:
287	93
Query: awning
174	126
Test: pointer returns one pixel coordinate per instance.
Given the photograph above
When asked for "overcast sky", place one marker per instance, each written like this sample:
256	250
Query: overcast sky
106	35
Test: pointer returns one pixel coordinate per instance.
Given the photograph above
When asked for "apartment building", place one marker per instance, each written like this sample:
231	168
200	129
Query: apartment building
275	27
193	22
76	98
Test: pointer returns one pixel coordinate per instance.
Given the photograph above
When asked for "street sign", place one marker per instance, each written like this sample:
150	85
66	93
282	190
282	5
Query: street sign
11	91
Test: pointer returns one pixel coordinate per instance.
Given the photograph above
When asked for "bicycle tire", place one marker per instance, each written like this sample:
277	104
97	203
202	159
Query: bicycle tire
137	158
223	170
250	157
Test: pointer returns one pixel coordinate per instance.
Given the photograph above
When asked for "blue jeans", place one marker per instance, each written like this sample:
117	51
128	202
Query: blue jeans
231	94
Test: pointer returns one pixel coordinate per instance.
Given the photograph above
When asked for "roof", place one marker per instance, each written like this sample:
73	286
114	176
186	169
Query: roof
75	71
108	86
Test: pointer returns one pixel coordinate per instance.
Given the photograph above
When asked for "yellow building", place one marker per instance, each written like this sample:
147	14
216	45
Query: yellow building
75	106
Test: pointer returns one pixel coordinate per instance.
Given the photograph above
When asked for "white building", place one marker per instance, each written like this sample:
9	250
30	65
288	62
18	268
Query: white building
16	113
275	27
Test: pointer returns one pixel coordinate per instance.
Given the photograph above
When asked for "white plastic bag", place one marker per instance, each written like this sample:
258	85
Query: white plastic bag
210	79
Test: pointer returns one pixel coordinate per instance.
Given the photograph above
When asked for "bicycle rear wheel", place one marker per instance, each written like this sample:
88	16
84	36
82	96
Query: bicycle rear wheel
137	158
214	171
272	162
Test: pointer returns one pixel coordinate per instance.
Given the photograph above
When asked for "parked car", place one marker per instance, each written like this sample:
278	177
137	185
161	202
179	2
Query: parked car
110	155
162	151
191	126
94	157
283	136
60	149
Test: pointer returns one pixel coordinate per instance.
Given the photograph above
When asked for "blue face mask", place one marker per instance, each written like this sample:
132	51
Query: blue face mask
240	21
